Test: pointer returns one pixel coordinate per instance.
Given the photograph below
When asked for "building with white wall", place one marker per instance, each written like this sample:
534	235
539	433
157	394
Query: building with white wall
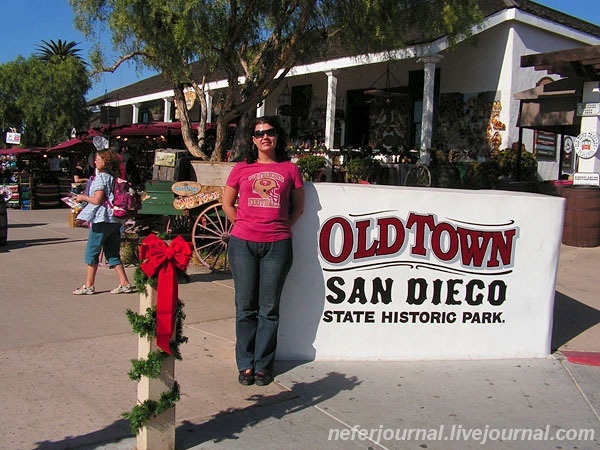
431	95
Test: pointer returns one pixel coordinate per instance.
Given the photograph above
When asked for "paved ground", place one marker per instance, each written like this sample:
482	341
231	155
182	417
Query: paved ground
64	363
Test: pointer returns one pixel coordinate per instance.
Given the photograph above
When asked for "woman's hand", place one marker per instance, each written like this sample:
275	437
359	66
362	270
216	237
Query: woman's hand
229	198
96	199
297	198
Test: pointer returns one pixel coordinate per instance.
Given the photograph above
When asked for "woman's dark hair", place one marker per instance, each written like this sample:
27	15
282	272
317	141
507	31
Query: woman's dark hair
111	162
281	153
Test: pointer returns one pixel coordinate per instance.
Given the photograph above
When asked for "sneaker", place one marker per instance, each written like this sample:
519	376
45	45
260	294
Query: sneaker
123	289
246	377
262	379
84	290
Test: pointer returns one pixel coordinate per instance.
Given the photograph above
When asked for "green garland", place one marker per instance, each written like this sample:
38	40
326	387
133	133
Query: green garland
142	280
149	367
145	326
142	413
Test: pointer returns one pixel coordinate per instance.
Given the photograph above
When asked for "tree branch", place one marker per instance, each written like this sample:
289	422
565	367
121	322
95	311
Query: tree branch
120	61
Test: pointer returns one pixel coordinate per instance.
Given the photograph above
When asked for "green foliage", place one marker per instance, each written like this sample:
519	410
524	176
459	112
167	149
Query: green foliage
149	367
44	100
311	166
394	24
508	161
142	413
479	175
58	51
179	337
143	325
142	280
11	75
362	169
258	40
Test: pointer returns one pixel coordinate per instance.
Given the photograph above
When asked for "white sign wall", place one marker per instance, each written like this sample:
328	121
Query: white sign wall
396	273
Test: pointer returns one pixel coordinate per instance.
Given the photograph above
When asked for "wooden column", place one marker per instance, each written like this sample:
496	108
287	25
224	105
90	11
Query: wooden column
159	432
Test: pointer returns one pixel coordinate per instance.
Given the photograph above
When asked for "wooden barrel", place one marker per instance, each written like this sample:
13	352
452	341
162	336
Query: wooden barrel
582	216
3	222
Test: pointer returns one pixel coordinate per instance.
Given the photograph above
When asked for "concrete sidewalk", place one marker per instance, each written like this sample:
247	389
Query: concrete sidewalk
65	361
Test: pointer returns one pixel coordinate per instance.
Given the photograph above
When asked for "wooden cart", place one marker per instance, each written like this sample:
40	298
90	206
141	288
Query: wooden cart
194	209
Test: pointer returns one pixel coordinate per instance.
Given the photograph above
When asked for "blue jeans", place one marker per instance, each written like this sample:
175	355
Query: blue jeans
105	236
259	271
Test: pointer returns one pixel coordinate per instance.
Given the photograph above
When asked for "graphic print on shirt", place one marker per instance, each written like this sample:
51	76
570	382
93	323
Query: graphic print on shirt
266	185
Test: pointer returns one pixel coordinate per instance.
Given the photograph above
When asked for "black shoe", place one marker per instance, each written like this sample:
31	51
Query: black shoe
246	377
262	379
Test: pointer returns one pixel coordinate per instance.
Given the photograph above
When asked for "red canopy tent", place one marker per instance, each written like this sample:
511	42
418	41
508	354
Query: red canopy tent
73	145
146	129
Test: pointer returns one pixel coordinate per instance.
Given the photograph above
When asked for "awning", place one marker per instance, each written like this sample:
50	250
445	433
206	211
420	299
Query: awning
19	151
73	145
147	129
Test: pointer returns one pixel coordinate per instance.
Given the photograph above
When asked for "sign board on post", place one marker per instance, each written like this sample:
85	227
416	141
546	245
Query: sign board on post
13	138
588	109
398	273
544	145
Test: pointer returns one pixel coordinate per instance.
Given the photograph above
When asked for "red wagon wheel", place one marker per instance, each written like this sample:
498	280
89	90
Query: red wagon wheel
210	236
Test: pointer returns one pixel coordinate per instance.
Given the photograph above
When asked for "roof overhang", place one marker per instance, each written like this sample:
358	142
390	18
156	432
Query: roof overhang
581	63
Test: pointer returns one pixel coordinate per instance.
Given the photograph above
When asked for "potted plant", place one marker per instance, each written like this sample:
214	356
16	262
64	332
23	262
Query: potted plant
517	172
311	167
361	169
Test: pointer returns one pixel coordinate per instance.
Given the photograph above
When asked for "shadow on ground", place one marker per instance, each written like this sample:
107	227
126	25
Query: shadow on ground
18	244
26	225
209	277
227	424
117	430
230	423
571	318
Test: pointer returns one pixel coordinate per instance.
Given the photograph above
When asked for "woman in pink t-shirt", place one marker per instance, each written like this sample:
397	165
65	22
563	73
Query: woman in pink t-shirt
264	197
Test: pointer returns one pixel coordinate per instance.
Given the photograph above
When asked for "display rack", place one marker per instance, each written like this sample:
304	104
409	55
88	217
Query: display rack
15	201
25	191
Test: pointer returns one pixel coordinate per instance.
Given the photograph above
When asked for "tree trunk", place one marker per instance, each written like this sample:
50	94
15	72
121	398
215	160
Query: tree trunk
240	140
199	90
220	151
186	125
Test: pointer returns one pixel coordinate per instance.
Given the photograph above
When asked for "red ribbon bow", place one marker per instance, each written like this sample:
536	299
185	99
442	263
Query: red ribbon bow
162	259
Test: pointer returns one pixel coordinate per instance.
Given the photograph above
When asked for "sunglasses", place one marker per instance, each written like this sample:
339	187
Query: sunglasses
271	132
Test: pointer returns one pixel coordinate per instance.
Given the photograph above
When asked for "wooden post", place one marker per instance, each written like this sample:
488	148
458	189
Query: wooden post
159	432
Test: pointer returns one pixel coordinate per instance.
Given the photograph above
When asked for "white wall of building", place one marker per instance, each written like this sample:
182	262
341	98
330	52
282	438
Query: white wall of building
490	61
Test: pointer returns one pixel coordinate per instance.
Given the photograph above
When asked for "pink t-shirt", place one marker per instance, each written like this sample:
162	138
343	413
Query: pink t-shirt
264	199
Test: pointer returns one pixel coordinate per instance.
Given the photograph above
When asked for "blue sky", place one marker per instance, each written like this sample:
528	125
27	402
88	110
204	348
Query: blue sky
27	22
